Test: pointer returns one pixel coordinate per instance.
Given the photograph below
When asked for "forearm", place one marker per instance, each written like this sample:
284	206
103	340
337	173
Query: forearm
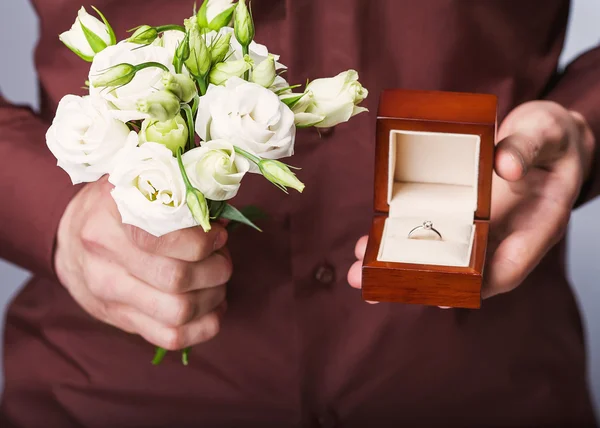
34	191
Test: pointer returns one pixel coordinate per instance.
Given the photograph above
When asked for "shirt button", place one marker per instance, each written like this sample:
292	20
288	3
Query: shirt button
325	274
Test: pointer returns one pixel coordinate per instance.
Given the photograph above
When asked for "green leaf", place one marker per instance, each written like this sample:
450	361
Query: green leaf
95	41
159	355
233	214
111	33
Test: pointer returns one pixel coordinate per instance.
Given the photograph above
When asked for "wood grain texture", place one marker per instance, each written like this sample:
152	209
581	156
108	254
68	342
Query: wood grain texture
430	111
438	106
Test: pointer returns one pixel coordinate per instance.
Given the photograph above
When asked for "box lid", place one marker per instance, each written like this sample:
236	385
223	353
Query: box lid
437	113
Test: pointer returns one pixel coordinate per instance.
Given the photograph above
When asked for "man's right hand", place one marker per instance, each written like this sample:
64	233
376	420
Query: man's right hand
170	290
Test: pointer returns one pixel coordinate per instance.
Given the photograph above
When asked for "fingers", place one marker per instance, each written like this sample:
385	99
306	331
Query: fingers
355	275
539	229
191	245
117	287
167	274
176	277
361	247
171	338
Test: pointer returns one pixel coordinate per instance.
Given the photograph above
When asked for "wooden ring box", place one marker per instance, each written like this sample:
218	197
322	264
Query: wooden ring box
434	161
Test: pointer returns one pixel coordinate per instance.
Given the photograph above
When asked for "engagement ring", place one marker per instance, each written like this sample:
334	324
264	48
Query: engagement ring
427	225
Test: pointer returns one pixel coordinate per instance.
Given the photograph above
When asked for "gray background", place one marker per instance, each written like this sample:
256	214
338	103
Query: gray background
18	34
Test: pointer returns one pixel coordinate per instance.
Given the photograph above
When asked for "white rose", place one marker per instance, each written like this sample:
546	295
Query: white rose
215	169
336	98
86	140
150	191
75	38
146	81
250	116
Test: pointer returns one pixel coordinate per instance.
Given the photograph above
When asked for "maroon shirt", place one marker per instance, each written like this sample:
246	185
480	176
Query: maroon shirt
298	346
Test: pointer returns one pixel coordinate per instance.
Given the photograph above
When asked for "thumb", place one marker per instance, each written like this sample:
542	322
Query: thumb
533	135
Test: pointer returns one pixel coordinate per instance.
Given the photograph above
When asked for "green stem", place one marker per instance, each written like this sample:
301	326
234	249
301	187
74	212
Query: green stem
190	124
150	65
163	28
195	105
186	180
247	155
159	355
202	84
246	51
185	356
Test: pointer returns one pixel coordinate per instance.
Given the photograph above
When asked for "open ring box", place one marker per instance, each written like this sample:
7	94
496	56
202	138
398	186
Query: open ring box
433	162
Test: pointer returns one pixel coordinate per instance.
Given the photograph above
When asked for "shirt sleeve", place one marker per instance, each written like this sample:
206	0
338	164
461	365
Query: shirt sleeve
578	89
34	192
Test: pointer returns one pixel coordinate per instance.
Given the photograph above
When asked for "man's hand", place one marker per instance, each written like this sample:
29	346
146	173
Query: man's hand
170	290
543	155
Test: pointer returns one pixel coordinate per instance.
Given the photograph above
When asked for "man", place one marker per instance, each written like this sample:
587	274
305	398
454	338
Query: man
297	346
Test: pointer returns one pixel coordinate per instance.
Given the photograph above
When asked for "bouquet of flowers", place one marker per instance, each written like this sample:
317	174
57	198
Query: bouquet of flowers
176	115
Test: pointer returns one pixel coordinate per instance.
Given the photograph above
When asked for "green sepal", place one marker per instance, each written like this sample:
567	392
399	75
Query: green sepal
215	208
111	33
79	54
201	15
159	355
233	214
222	19
289	88
182	53
291	101
95	41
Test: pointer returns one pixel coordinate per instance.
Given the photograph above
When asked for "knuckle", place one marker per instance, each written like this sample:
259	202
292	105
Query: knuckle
176	276
141	238
210	327
226	269
173	339
90	235
183	311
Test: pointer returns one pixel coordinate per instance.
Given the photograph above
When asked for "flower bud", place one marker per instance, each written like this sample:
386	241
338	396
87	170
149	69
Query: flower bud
222	71
220	47
180	85
160	105
280	175
88	35
173	134
144	35
215	14
243	24
264	74
118	75
337	98
197	204
198	63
